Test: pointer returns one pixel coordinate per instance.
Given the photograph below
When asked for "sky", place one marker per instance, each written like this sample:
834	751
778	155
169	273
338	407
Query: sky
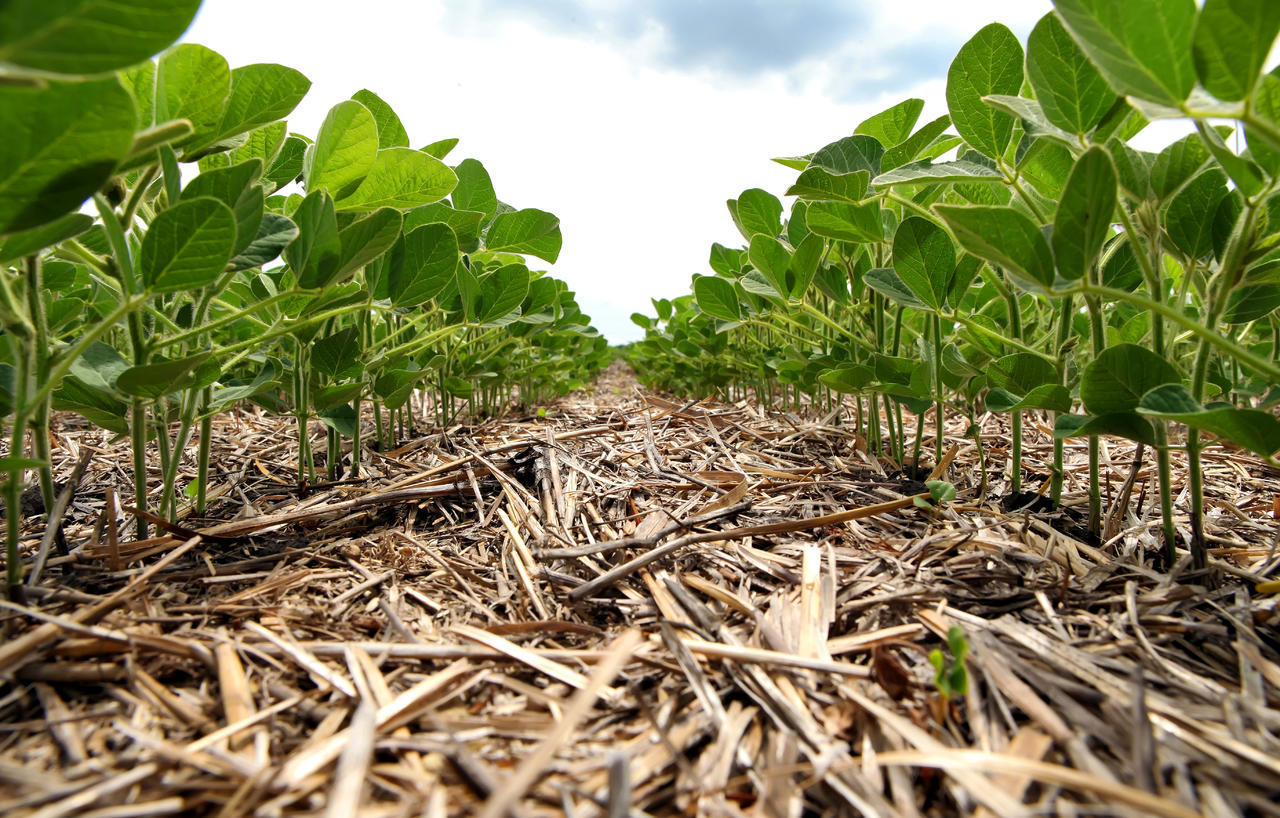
633	122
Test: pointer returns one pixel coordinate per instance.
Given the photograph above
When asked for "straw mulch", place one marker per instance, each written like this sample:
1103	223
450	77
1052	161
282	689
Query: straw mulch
634	605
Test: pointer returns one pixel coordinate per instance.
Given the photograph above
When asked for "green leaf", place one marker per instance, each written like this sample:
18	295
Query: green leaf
757	212
338	355
1050	397
193	83
1084	214
61	144
529	232
401	178
1032	116
1231	42
260	94
1115	381
100	407
1072	92
1128	425
501	294
344	152
316	255
465	223
1142	47
331	405
771	258
941	491
367	238
925	260
160	378
1133	168
422	264
441	147
915	145
717	297
89	36
726	262
846	222
19	245
1021	372
818	184
274	234
1248	178
850	155
1176	164
990	63
187	246
1004	237
395	386
926	172
1189	217
474	190
287	165
1254	429
391	132
887	282
1256	296
892	126
234	187
266	379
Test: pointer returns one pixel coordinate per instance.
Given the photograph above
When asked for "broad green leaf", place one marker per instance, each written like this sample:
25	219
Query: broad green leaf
394	386
892	126
422	264
193	83
287	165
465	223
925	260
22	244
887	282
441	147
141	82
261	143
1072	93
338	355
850	155
1031	115
1254	429
331	405
804	265
260	94
344	151
1142	47
235	187
1116	380
1133	168
915	145
316	255
1176	164
818	184
187	246
848	378
771	258
1084	214
1256	296
797	223
267	378
274	234
1248	178
717	297
926	172
846	222
1263	147
89	36
391	132
724	261
1189	217
1231	42
103	409
1121	270
401	178
1129	425
758	212
474	190
1050	397
501	293
60	145
1004	237
990	63
160	378
99	366
1021	372
528	232
364	239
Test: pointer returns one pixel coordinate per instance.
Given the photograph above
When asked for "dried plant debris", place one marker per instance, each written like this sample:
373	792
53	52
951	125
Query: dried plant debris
634	604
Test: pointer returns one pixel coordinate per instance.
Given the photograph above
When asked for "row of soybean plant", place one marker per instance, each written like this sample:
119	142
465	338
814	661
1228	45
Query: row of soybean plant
1020	255
195	279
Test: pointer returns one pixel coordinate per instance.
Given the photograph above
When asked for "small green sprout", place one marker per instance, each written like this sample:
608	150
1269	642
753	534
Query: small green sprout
954	681
940	491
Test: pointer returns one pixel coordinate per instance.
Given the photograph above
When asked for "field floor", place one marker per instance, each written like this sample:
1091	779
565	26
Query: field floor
637	605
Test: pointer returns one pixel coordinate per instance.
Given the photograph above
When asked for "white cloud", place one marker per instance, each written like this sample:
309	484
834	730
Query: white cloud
636	155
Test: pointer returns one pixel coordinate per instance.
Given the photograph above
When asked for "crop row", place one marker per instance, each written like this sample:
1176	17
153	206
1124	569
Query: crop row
1019	254
227	259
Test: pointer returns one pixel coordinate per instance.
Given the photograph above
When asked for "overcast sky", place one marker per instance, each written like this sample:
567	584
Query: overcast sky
631	121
